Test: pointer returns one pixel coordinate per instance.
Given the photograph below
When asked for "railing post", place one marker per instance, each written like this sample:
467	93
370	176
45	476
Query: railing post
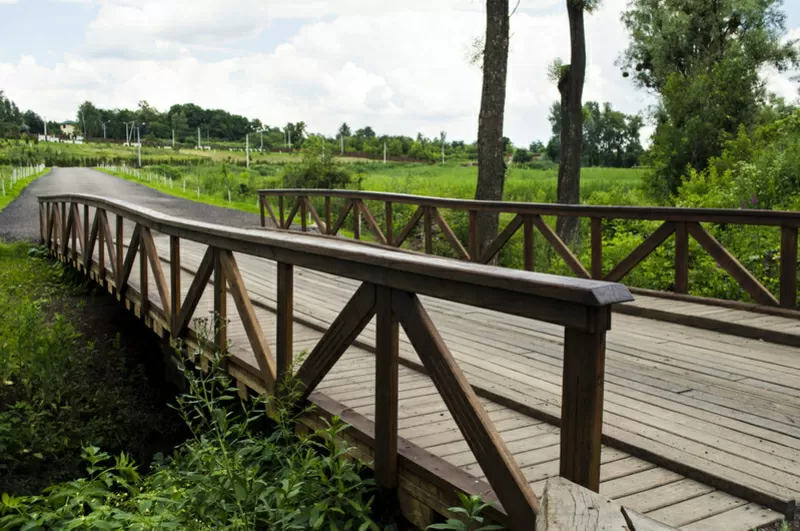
73	213
101	245
42	222
528	240
597	248
681	257
86	234
120	251
357	219
474	252
386	392
327	215
788	266
285	314
428	227
220	305
261	200
175	282
143	288
280	209
389	222
303	214
63	239
582	402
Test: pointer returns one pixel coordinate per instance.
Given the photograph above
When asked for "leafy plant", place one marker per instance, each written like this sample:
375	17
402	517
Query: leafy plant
228	475
471	516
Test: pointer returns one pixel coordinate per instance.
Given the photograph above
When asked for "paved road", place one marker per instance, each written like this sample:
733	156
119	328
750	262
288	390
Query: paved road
20	219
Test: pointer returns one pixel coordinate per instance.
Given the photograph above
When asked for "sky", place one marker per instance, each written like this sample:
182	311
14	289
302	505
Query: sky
399	67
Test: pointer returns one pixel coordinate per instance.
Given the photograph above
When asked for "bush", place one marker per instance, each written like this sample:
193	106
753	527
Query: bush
59	390
317	171
227	476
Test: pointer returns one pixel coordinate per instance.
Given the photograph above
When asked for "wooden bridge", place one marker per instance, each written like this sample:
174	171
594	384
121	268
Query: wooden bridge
461	376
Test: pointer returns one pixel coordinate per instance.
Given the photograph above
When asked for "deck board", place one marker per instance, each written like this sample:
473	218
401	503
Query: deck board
672	386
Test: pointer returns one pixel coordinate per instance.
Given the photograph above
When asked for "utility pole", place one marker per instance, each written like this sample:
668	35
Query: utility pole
139	141
104	130
173	139
198	138
443	136
126	132
246	151
45	130
384	151
290	139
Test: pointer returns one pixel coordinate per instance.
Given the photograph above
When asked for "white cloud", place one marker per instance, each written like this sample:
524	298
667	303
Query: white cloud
400	69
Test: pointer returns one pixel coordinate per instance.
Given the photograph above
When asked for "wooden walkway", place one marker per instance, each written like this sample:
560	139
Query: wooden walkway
701	429
665	391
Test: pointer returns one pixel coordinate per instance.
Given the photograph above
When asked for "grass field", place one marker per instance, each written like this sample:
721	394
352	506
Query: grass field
522	184
9	191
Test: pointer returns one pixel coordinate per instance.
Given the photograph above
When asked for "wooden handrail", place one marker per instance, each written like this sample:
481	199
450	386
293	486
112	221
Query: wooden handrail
391	284
683	223
700	215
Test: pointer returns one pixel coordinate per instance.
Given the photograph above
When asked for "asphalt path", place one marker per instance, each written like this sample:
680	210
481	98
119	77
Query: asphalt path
20	220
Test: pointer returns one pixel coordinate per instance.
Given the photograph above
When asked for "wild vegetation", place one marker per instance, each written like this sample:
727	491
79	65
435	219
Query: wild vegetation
65	380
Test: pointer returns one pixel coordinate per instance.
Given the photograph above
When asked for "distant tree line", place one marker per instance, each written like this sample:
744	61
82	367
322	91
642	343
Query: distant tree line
610	138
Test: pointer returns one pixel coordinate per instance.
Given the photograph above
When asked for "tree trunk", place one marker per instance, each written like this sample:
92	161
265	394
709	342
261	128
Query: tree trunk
571	88
491	159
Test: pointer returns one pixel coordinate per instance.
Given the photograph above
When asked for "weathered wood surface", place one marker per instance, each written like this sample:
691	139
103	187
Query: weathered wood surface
424	420
651	371
570	507
655	370
682	222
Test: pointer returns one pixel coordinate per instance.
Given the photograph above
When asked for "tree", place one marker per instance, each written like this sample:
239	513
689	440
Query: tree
570	79
89	120
491	156
344	130
536	147
704	61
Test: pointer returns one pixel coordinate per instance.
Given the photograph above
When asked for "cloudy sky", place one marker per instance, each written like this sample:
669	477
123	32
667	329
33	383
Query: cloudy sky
400	67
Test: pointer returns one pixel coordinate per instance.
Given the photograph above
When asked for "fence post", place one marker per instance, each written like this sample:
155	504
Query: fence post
120	252
261	208
788	266
389	222
473	236
220	304
386	394
285	314
681	257
428	229
597	248
582	401
175	283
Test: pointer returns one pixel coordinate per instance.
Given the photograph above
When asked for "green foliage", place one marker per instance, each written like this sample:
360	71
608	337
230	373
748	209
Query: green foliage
58	390
226	476
470	516
610	138
704	59
318	170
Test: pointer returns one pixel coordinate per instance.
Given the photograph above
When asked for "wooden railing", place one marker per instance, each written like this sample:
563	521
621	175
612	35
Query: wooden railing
390	289
682	222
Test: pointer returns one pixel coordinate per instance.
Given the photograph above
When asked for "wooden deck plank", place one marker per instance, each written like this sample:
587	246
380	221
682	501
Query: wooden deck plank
513	353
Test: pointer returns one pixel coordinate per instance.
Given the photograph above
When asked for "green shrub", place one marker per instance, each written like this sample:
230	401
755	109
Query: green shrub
226	476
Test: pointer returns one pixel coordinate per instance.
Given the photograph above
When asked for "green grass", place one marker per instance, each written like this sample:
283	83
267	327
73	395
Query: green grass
13	191
522	184
191	191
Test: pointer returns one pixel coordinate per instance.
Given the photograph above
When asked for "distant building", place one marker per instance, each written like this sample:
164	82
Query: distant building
68	128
